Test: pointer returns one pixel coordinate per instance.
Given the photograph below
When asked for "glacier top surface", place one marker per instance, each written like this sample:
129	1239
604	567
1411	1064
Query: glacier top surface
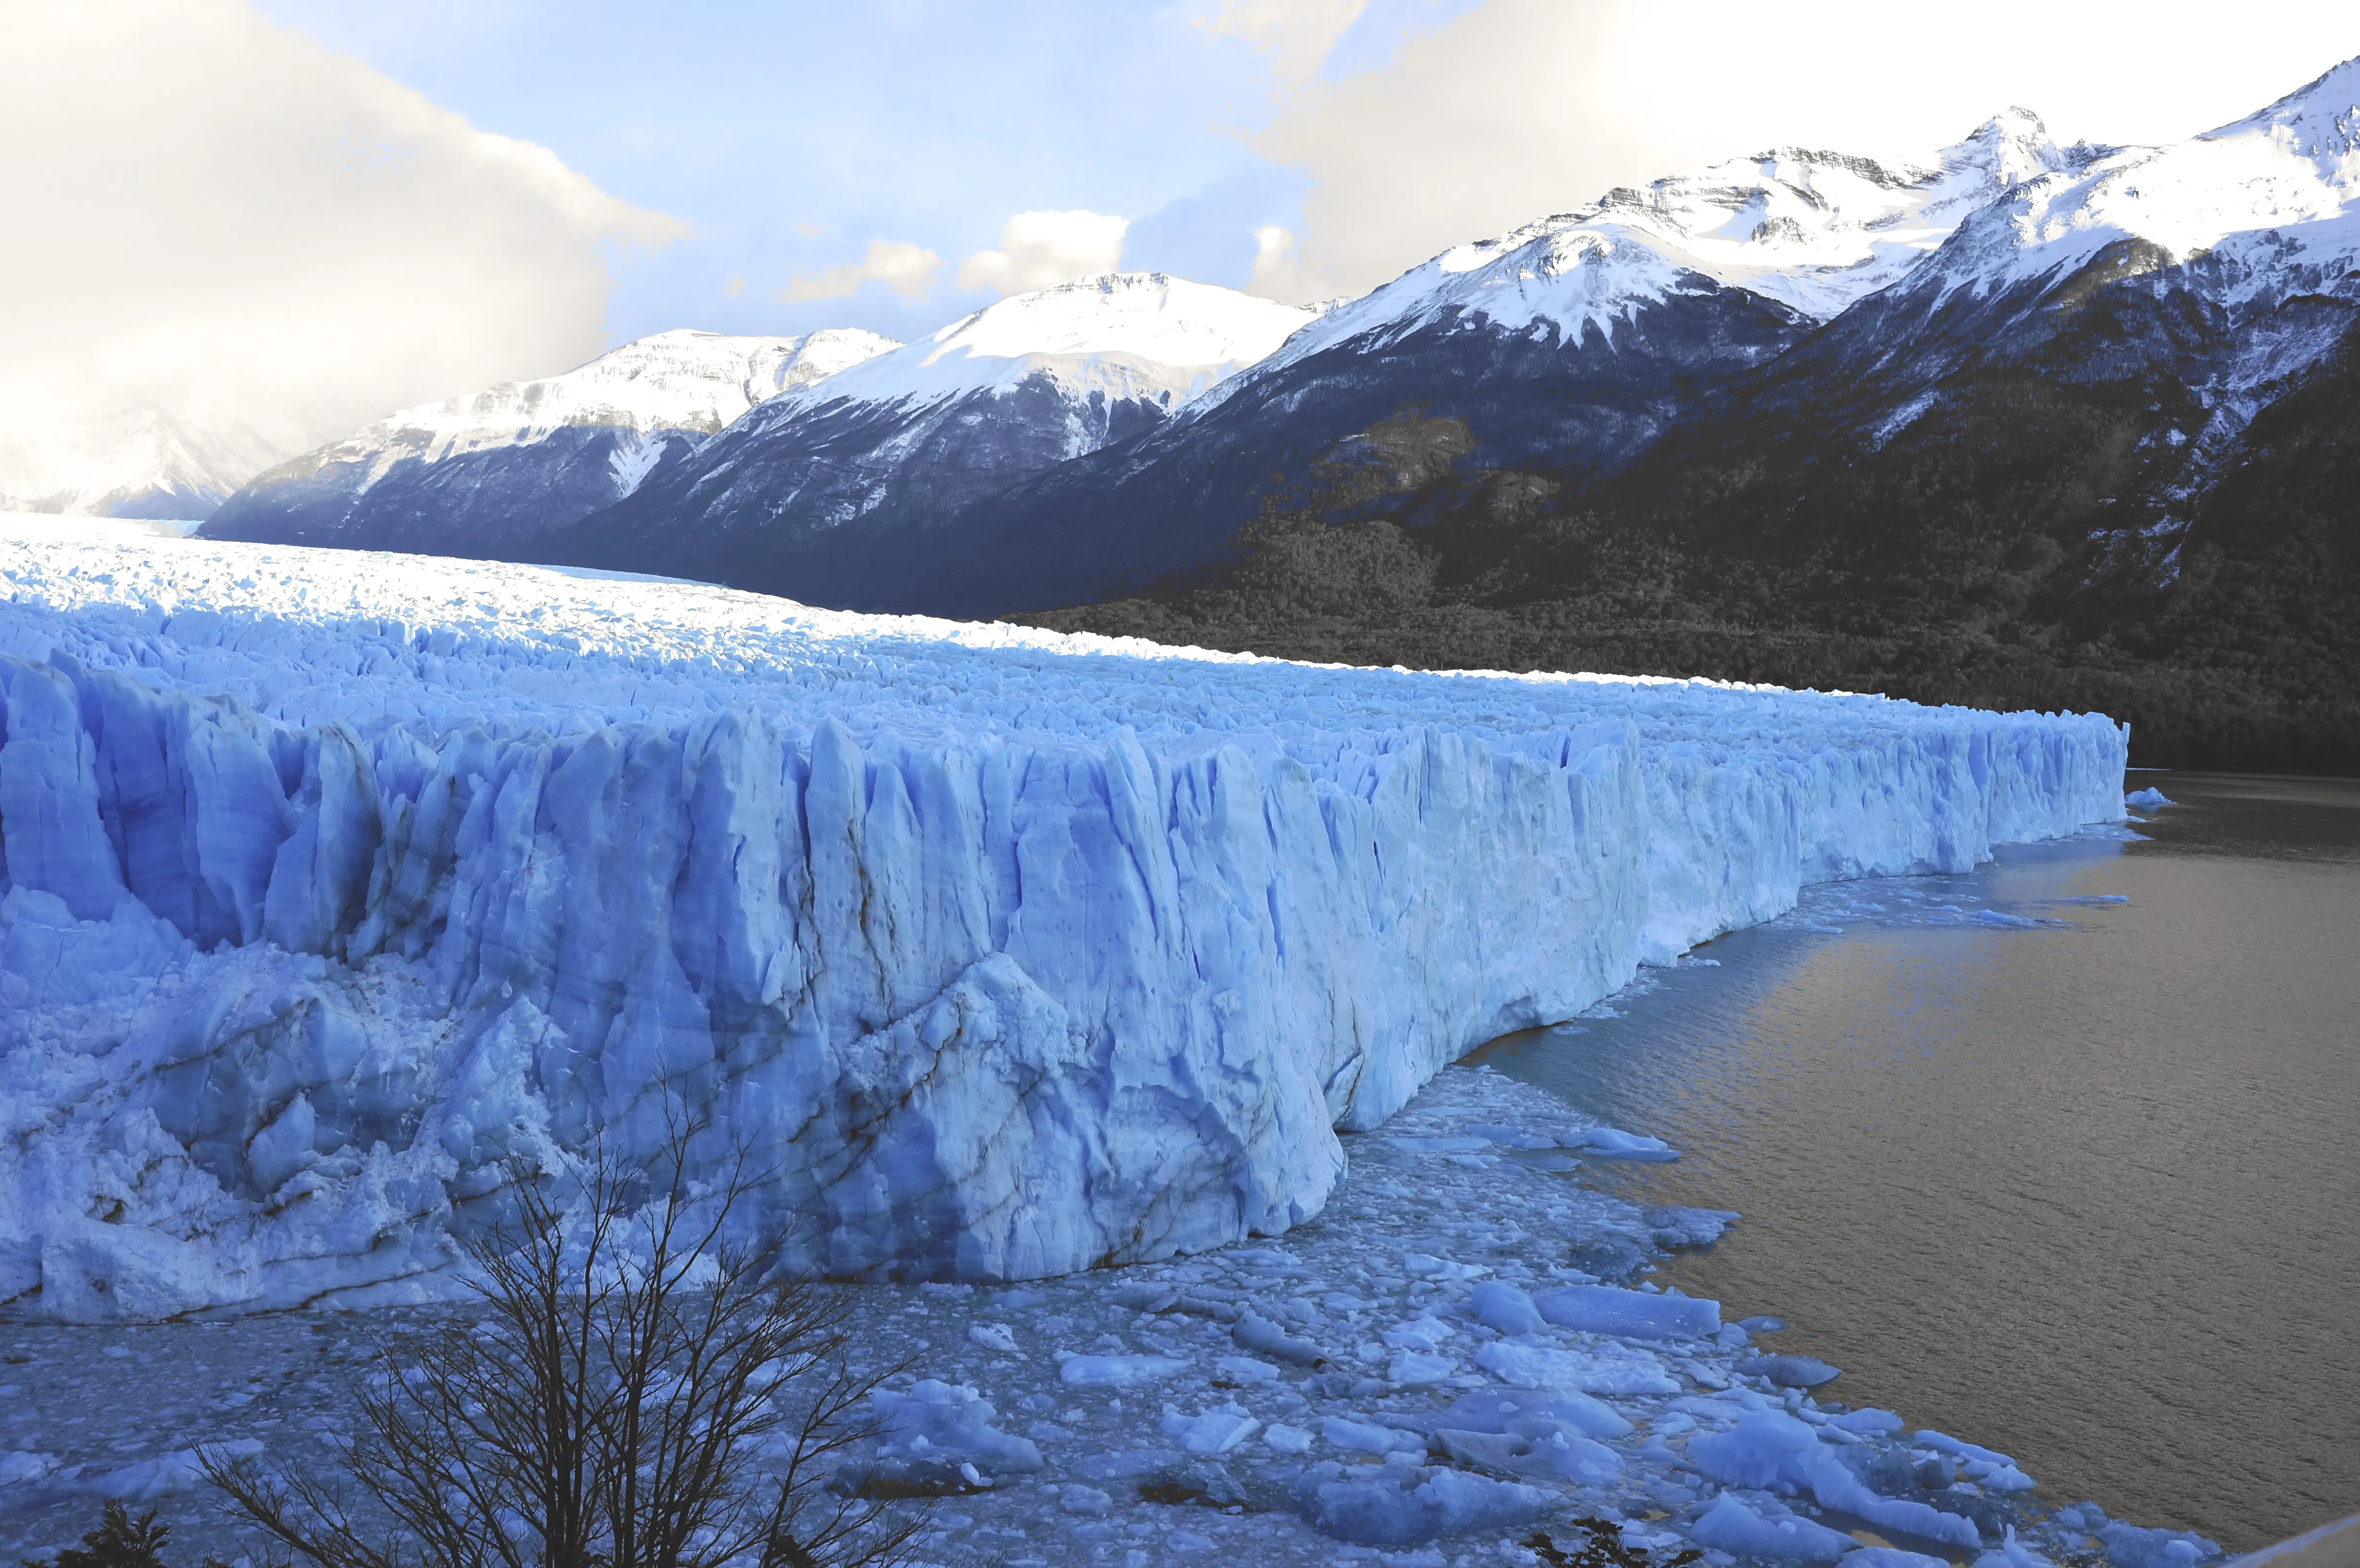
1129	334
2279	186
434	644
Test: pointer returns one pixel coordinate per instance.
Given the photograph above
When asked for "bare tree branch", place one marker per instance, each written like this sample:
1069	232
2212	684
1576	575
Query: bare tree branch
639	1391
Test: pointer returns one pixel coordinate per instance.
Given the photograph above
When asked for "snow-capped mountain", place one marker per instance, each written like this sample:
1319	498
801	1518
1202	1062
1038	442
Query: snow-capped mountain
489	473
1811	231
1572	343
2181	289
141	463
2271	197
797	496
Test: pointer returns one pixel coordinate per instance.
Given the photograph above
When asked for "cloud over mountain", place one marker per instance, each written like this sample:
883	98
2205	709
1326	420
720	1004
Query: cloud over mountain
223	221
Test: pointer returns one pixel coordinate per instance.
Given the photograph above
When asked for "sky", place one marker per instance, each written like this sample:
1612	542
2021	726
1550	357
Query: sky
290	216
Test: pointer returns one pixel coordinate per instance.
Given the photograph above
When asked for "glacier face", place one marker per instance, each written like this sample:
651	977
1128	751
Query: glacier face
335	880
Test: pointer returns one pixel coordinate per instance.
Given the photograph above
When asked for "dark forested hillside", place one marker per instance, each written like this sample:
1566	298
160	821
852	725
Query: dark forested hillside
2012	544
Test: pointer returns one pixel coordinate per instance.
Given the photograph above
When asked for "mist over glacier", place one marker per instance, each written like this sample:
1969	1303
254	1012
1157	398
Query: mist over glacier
335	880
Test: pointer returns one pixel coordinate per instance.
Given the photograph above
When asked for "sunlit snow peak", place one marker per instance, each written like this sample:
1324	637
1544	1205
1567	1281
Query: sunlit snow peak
2273	199
1811	231
1127	334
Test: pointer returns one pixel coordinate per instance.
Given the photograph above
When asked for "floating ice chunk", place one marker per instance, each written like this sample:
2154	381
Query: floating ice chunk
1943	1442
1214	1431
1413	1369
1771	1448
1790	1371
1257	1332
1573	1458
1762	1450
1426	1266
1511	1138
1603	1309
1998	1478
1869	1423
994	1336
1281	1439
1763	1323
19	1466
2012	922
1187	1540
1368	1437
1673	1228
1406	1505
1123	1465
948	1423
1449	1145
1427	1334
1612	1143
1245	1370
1117	1371
1504	1307
1088	1501
1564	1455
1892	1557
2147	798
1730	1526
1614	1370
2013	1553
2128	1546
1495	1409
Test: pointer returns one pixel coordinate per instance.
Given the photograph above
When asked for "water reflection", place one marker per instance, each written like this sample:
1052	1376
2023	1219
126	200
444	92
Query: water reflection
2084	1190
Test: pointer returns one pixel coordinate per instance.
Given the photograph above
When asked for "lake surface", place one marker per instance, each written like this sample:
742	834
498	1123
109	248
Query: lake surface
2086	1191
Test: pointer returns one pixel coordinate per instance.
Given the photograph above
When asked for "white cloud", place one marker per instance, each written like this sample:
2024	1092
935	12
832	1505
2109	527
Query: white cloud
1037	249
220	222
907	270
1278	271
1520	108
1294	35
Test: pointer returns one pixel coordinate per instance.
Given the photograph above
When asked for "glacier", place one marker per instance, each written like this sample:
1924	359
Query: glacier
332	883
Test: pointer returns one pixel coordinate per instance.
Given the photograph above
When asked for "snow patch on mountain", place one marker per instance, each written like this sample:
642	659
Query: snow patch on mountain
1812	231
680	380
1143	336
2272	200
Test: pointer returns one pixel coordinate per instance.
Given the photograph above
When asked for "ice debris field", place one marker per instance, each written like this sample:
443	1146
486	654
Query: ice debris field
335	880
1461	1350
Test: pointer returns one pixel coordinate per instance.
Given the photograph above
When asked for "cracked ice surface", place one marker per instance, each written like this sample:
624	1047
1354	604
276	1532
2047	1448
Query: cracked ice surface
334	879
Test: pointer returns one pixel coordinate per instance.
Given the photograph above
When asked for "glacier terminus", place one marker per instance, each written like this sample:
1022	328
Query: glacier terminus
335	882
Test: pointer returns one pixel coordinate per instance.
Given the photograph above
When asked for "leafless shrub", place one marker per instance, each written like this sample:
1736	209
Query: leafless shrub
639	1393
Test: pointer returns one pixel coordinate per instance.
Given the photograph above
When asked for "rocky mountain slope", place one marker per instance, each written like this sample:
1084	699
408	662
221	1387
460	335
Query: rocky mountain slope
491	474
1586	335
2084	454
851	493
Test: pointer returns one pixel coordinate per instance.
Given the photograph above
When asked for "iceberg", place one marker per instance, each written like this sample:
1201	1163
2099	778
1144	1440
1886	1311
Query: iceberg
333	885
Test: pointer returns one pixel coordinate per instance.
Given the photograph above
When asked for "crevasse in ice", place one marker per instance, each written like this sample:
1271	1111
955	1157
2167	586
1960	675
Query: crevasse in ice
333	881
